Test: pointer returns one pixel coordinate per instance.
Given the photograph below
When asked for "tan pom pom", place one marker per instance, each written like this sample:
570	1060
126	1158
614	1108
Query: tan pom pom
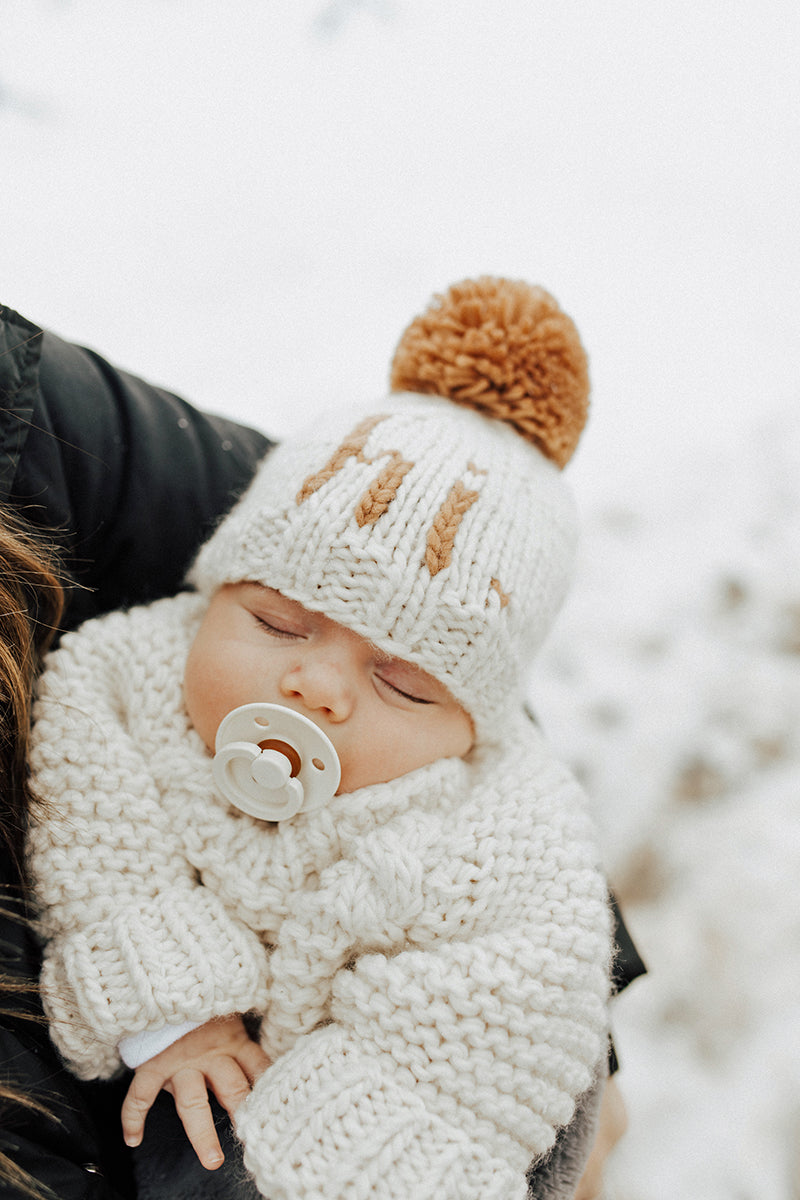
505	348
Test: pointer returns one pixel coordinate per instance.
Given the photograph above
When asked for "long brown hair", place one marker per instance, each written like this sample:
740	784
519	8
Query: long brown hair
31	605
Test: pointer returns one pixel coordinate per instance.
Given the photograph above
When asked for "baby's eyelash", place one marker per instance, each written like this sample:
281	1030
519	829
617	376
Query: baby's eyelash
406	695
273	630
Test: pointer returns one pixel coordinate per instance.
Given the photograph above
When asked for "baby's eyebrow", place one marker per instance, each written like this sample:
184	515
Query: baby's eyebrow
382	659
270	593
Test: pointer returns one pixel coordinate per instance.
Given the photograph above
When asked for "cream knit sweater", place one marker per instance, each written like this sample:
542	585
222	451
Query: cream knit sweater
430	955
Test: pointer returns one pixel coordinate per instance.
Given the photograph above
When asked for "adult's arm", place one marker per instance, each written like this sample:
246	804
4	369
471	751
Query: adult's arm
129	477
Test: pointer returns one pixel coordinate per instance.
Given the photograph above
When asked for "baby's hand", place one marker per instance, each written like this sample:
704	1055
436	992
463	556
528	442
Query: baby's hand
218	1056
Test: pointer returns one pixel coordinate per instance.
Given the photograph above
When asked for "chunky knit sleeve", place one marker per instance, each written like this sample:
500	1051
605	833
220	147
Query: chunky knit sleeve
134	942
466	1016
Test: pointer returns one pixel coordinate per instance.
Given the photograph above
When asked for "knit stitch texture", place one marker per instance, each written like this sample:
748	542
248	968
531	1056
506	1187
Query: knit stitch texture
430	955
433	531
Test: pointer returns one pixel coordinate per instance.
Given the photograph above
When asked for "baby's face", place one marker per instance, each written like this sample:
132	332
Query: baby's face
384	716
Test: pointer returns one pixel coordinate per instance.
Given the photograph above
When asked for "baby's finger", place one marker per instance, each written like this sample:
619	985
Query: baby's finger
252	1060
137	1104
189	1090
229	1083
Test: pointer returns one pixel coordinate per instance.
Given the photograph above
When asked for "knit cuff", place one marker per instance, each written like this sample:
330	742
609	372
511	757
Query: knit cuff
176	958
329	1119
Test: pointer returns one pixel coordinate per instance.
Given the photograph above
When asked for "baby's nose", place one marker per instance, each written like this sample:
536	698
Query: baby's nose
322	687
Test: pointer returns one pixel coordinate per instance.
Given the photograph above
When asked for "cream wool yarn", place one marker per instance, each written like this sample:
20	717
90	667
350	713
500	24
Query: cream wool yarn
430	954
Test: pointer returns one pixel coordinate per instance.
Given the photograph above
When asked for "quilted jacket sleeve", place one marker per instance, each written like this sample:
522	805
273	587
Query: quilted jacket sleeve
134	942
128	477
444	1068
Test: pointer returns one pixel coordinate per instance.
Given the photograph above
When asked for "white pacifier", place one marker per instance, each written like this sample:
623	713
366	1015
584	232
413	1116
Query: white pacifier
273	763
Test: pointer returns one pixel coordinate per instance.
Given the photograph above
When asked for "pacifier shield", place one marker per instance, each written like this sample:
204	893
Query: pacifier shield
272	762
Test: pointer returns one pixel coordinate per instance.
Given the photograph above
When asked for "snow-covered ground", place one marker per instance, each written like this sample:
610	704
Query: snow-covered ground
248	202
673	684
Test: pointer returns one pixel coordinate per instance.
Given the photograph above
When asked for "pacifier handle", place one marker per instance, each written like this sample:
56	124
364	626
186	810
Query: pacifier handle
266	781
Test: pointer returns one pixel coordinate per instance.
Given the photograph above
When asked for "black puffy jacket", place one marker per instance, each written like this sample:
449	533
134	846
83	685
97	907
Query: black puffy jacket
130	476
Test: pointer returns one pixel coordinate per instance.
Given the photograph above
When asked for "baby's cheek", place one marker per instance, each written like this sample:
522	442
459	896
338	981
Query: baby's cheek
200	698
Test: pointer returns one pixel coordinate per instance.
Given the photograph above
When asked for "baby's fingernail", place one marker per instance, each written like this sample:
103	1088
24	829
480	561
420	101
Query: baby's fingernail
215	1160
132	1140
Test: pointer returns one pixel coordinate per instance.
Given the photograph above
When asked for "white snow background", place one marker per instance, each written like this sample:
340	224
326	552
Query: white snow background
248	201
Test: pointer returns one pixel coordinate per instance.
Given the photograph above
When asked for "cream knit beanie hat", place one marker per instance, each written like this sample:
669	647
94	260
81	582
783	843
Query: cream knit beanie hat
437	524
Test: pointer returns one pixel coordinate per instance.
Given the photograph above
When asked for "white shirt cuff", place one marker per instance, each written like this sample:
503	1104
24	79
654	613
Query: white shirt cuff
137	1048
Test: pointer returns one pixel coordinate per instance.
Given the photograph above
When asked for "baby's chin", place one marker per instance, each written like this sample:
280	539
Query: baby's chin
356	776
354	782
356	779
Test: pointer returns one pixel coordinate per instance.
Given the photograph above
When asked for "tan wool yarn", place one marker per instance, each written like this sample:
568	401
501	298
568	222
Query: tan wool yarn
505	348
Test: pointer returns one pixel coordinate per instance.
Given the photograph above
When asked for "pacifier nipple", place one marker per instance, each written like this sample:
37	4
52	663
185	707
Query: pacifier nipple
272	763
